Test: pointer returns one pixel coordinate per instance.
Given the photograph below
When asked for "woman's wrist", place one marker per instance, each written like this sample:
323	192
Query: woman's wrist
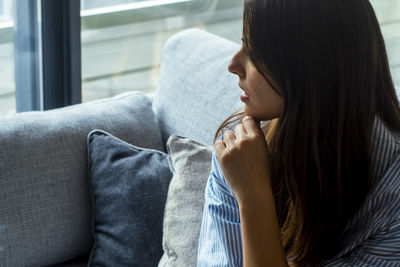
261	235
257	199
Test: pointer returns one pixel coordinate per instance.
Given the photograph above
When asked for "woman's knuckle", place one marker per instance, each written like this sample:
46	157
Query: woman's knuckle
228	150
254	136
228	133
244	141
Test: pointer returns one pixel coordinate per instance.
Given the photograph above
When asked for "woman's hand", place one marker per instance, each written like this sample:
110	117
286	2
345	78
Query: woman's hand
245	161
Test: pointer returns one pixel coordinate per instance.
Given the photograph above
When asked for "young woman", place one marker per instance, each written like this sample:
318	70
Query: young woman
317	184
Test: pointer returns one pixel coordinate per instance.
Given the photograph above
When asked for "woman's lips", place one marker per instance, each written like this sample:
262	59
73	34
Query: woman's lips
244	97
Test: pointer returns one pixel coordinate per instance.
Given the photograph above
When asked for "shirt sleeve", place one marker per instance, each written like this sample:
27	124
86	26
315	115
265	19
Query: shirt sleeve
381	249
220	242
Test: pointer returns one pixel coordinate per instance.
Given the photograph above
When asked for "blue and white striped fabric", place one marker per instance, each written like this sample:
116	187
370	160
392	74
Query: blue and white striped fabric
371	238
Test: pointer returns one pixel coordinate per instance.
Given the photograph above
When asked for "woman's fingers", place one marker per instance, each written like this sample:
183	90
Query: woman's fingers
229	138
240	131
251	126
219	147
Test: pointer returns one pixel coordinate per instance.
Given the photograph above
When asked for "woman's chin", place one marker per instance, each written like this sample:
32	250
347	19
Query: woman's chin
251	113
258	117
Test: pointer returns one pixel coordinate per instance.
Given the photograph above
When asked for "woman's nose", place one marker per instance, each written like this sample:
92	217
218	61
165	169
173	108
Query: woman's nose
235	65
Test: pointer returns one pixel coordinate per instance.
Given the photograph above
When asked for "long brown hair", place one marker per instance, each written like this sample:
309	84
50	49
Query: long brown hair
329	61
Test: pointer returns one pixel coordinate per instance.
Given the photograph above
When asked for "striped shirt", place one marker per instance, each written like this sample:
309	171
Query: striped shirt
371	238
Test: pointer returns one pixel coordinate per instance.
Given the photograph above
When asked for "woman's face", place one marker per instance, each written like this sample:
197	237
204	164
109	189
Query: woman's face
261	101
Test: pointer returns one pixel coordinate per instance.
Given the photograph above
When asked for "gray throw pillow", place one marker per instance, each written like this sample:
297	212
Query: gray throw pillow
191	164
129	188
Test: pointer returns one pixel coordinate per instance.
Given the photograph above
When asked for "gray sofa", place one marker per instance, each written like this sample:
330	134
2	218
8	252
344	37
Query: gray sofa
45	204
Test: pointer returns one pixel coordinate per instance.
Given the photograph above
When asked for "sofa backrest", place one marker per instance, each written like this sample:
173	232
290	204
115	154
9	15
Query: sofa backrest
196	92
45	205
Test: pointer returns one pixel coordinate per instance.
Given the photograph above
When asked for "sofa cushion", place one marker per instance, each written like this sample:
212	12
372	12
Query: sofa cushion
129	188
191	164
196	92
45	206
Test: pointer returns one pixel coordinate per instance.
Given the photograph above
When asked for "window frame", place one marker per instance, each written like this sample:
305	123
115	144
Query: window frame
47	54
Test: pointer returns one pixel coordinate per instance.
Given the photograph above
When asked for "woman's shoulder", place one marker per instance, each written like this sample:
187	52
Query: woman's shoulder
385	151
381	208
386	161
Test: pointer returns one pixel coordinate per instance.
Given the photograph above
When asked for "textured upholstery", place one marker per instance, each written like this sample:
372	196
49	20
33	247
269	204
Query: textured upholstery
129	186
45	207
196	93
191	164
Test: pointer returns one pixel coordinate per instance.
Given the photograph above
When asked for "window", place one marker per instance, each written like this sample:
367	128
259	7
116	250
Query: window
7	85
388	13
122	42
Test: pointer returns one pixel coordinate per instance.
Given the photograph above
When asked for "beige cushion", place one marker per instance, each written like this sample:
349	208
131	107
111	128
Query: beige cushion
191	164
